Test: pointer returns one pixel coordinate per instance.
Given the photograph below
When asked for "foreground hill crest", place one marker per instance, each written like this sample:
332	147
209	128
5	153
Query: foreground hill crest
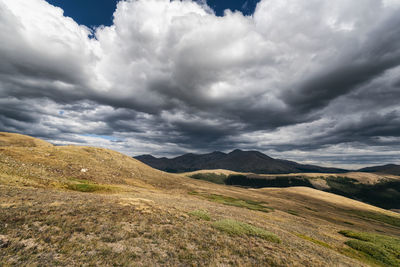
19	140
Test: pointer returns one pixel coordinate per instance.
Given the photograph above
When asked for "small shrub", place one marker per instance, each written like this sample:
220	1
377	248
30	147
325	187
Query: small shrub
233	227
201	214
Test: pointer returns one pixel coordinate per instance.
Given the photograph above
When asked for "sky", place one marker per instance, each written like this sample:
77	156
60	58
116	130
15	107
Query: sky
93	13
313	81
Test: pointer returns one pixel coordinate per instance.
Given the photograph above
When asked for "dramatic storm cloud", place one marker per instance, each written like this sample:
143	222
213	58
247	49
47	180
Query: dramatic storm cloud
315	81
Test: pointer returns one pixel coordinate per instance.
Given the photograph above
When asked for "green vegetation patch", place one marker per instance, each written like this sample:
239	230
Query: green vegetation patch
233	227
236	202
382	249
392	220
201	214
87	186
210	177
315	241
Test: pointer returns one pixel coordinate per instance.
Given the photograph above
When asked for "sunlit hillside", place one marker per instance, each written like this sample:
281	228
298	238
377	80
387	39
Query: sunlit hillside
70	205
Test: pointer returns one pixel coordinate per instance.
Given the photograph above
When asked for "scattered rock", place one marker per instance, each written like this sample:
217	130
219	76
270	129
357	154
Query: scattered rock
117	247
4	241
29	243
84	170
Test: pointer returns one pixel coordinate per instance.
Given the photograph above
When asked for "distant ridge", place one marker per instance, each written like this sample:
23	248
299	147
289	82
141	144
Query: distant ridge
237	160
386	169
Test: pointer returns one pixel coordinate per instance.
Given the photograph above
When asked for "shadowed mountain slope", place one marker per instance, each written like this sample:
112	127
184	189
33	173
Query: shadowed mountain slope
237	160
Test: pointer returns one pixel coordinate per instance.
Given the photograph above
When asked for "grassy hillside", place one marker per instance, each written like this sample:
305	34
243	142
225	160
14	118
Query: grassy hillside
377	189
90	206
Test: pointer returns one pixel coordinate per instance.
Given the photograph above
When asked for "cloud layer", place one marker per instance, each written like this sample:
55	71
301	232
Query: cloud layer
315	81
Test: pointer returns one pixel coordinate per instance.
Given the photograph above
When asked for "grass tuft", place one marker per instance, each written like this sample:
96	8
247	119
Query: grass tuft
233	227
385	250
201	214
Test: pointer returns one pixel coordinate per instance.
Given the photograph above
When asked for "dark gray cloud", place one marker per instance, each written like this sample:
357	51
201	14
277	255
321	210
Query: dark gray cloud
379	53
315	81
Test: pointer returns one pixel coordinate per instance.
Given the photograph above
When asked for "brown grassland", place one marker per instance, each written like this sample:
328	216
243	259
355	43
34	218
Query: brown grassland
70	205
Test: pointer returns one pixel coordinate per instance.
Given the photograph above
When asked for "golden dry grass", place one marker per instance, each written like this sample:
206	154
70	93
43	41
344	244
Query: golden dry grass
138	216
326	197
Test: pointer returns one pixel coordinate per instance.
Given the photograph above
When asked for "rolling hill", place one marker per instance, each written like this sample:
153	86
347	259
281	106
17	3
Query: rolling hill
381	190
71	205
237	160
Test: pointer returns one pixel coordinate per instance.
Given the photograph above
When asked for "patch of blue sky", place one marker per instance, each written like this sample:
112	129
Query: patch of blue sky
93	13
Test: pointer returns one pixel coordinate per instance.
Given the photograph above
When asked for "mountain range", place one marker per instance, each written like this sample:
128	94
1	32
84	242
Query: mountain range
387	169
237	160
245	161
